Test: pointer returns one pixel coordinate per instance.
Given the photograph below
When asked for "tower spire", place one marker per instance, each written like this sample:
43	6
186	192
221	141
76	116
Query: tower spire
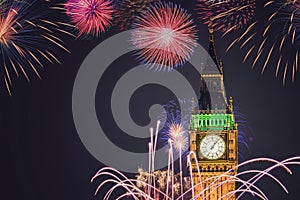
211	48
211	81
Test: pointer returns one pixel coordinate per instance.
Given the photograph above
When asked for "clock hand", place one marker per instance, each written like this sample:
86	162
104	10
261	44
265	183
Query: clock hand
214	145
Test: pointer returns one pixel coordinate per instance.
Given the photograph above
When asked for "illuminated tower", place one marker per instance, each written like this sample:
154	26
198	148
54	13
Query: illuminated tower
213	132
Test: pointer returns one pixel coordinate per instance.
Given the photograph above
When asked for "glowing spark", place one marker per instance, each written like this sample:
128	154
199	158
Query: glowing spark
165	36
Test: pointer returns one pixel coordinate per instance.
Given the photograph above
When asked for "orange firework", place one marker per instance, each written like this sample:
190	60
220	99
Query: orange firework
26	40
278	41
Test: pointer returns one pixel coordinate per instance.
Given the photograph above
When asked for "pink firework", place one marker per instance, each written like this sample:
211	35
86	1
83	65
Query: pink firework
90	17
165	36
226	15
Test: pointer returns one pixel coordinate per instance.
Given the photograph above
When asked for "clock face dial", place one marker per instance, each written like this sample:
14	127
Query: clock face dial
212	147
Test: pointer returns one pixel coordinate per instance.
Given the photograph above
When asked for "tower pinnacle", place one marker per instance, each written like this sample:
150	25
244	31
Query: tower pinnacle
211	48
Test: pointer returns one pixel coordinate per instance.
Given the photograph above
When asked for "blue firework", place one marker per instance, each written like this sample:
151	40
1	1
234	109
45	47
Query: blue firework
245	135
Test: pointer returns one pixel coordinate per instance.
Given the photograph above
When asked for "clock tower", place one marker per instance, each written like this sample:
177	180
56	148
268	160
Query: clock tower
213	134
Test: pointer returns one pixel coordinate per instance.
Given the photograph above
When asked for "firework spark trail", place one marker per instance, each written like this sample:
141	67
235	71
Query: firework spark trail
237	179
287	14
260	173
179	139
153	191
165	36
216	185
90	17
192	153
283	164
108	171
205	11
138	193
27	39
248	183
228	15
280	39
128	10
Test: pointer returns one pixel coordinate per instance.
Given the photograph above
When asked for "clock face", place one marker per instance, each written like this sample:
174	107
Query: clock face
212	147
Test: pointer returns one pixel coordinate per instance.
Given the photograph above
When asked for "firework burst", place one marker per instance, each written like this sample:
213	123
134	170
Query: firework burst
285	40
279	44
27	40
228	15
178	137
176	124
165	36
245	135
90	17
127	10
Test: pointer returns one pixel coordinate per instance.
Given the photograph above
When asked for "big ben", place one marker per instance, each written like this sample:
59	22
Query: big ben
213	135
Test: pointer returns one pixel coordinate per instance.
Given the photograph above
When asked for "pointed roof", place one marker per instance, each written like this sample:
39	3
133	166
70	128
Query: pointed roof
213	60
211	84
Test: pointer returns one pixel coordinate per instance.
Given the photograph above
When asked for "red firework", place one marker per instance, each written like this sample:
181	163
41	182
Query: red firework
90	17
165	36
227	15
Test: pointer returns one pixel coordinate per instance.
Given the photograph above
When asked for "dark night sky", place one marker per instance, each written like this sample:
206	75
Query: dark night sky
43	158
